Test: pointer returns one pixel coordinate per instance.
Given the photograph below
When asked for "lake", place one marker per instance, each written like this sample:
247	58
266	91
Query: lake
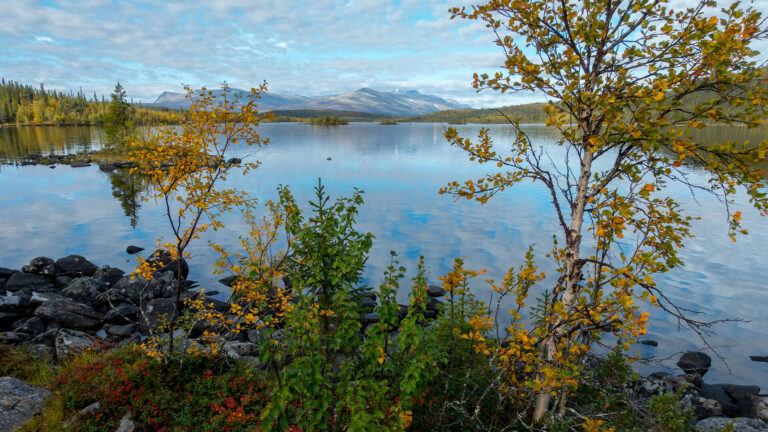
61	211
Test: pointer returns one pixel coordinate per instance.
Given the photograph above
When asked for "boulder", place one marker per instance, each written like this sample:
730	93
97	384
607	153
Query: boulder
63	280
5	273
71	342
370	318
15	338
130	288
738	392
80	164
8	318
163	261
82	289
740	424
649	342
755	407
122	331
108	276
28	282
238	350
70	314
122	314
107	167
19	401
32	326
701	407
76	265
694	362
234	161
43	266
229	280
128	425
436	291
47	338
133	249
157	313
13	303
367	302
715	392
756	358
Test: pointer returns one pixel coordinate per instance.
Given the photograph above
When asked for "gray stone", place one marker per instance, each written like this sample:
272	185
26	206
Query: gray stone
128	425
13	303
79	164
12	337
70	314
737	392
370	318
157	313
108	276
694	362
32	326
717	393
48	337
755	407
436	291
83	289
5	273
229	280
238	350
76	265
133	249
740	424
163	262
63	280
758	358
122	331
122	314
8	318
107	167
43	266
71	342
701	407
367	302
87	411
19	401
28	282
649	342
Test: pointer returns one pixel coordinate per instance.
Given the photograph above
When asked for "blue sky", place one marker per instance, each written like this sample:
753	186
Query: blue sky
311	48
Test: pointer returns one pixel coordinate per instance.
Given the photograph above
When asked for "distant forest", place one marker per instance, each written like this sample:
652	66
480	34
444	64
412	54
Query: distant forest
32	105
529	113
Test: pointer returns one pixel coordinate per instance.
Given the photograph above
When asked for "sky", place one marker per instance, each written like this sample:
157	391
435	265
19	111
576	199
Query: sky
309	48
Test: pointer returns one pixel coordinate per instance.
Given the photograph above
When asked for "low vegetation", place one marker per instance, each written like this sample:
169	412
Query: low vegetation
327	121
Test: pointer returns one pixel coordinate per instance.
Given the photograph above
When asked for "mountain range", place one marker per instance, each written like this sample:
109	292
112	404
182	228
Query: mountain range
398	102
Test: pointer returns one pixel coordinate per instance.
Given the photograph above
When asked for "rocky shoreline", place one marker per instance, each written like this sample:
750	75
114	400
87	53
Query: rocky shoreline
57	308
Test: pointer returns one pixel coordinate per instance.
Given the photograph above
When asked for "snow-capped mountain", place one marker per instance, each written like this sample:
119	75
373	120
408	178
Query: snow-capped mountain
398	102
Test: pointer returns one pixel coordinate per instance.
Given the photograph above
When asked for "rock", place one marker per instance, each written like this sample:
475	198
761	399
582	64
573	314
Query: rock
130	288
370	318
5	273
32	326
128	425
82	289
122	314
28	282
76	265
238	350
287	282
660	374
228	281
87	411
234	161
107	167
42	352
740	424
367	302
157	313
63	280
738	392
758	358
133	249
70	314
434	304
436	291
125	164
402	311
754	407
19	401
694	362
122	331
648	342
43	266
108	276
70	342
12	337
13	303
162	258
8	318
717	393
79	164
701	407
48	337
694	379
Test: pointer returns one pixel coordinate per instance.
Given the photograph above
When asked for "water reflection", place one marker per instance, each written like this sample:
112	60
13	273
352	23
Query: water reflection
84	211
19	142
129	189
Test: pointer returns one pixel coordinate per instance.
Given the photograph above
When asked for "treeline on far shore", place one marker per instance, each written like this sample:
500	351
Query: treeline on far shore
22	104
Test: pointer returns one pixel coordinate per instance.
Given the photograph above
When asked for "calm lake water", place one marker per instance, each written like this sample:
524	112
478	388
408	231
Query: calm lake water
56	212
